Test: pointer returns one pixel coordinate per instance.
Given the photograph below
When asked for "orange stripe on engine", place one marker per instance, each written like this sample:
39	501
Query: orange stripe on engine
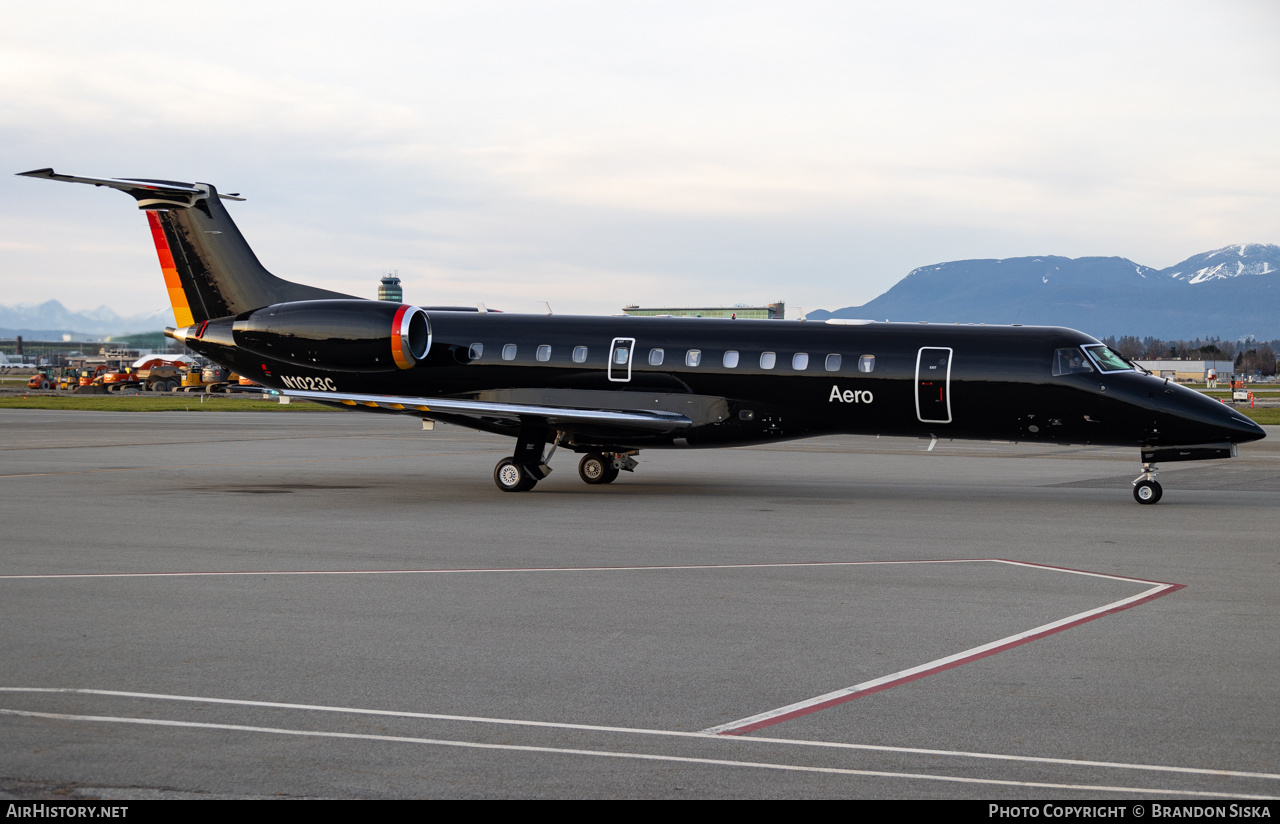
173	284
397	348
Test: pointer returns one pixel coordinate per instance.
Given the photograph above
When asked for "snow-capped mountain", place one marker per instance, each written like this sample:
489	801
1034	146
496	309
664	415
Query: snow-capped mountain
1228	262
1231	292
51	320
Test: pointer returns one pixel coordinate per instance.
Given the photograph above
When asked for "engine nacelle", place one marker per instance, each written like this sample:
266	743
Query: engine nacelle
347	335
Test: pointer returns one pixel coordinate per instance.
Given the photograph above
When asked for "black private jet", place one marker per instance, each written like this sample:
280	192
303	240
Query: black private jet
608	387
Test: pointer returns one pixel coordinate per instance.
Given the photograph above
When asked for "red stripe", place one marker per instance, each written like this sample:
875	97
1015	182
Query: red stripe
162	243
769	722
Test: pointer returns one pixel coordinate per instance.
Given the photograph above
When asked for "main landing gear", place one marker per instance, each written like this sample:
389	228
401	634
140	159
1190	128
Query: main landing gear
603	467
511	477
522	471
1146	489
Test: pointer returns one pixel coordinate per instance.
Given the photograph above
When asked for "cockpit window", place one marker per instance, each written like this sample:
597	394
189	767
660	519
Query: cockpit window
1107	360
1070	362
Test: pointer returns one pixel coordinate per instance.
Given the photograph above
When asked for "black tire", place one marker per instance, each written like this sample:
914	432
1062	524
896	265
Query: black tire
595	468
1147	492
44	385
511	477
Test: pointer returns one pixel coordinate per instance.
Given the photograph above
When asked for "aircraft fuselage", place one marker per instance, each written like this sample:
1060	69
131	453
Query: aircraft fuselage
743	382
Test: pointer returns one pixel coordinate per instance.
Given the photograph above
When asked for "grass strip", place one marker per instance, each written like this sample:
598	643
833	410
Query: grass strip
1267	416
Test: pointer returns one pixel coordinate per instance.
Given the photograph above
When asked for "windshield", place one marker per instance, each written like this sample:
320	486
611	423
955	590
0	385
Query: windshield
1069	362
1107	360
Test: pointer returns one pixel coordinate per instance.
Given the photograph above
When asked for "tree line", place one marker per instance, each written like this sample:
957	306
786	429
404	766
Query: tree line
1248	355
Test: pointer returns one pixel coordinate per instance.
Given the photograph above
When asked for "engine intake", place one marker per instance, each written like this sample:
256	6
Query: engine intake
347	335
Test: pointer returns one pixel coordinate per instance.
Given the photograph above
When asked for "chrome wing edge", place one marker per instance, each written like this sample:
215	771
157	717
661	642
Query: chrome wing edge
558	416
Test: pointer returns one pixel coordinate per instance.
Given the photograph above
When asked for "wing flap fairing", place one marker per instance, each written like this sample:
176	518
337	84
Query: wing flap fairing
649	422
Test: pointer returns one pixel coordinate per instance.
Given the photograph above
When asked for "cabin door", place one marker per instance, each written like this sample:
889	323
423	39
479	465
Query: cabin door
620	359
933	385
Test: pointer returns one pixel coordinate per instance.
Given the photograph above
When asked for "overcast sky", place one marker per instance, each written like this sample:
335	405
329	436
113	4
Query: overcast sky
593	154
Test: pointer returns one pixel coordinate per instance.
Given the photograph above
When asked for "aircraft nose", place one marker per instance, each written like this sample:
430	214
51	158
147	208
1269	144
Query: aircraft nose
1242	429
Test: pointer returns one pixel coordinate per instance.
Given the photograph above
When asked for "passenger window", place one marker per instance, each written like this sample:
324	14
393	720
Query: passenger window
509	352
800	361
833	363
620	355
768	360
693	357
655	357
476	350
867	363
543	353
731	359
1070	362
579	354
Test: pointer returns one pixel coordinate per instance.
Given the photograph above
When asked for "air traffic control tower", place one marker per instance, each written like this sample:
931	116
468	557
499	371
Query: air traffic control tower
389	289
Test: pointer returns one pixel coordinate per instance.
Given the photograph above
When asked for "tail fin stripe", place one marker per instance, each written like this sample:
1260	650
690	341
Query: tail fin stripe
173	284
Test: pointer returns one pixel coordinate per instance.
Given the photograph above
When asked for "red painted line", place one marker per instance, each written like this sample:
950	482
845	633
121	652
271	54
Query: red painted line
843	699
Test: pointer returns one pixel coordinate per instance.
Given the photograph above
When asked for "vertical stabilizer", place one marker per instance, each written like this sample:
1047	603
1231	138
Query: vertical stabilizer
209	270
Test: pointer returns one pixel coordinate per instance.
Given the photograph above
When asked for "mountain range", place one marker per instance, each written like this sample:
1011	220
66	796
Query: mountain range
51	320
1232	292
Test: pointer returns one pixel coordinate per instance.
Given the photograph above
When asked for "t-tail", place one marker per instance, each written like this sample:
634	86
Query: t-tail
209	270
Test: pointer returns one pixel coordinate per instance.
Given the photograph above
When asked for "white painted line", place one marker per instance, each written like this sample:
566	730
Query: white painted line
831	699
1094	788
775	716
797	742
655	568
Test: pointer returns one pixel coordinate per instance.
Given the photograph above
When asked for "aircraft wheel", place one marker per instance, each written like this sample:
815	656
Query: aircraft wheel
510	477
595	468
1147	492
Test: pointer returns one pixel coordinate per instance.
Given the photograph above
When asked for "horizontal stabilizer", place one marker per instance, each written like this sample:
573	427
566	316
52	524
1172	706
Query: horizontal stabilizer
642	421
146	192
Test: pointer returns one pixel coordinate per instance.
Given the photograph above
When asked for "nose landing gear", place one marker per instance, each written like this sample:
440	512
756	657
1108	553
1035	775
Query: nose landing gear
1146	489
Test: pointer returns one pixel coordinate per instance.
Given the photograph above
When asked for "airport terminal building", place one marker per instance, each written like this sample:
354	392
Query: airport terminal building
1188	370
772	311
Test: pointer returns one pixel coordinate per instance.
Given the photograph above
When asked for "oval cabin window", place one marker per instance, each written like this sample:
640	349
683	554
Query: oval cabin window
509	352
731	359
579	354
768	360
800	361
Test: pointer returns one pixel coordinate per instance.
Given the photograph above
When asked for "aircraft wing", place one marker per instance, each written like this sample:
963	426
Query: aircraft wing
641	421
